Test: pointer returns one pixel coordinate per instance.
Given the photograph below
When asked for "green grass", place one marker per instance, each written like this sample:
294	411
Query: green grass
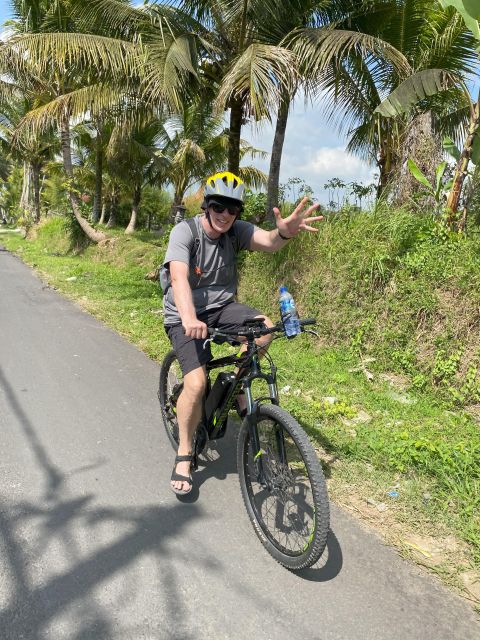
392	294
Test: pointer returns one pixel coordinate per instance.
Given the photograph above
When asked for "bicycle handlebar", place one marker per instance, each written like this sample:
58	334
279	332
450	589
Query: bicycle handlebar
256	331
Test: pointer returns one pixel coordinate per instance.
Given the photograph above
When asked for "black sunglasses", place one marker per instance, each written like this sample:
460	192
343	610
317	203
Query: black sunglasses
220	208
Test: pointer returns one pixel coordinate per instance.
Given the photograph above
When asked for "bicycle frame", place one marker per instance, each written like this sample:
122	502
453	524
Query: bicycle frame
249	361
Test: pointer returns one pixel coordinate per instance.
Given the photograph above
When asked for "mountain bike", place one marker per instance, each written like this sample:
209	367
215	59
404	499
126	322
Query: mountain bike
281	478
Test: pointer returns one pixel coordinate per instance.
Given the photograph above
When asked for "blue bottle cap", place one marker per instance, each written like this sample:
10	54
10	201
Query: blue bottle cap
283	288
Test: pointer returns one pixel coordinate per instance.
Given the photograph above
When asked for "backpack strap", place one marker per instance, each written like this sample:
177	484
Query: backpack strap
233	238
195	250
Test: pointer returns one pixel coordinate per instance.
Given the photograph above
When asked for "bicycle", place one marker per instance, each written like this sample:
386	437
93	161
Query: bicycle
281	479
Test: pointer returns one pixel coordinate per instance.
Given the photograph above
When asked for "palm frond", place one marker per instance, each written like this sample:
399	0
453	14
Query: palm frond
93	99
417	87
43	52
253	177
259	75
318	48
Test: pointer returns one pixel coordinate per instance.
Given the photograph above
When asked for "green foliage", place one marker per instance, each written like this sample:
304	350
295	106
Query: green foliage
436	191
404	321
255	206
394	286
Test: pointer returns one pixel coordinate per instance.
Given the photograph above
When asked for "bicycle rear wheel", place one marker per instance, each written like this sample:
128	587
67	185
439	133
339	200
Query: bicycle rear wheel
169	388
286	495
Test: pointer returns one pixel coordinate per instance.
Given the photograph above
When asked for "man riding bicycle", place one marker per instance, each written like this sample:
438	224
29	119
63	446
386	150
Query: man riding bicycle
199	278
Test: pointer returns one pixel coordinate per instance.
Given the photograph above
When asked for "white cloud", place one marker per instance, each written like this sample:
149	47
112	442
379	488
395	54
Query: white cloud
313	150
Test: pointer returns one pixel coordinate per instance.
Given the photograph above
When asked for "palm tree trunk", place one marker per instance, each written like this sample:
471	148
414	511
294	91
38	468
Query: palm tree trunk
112	218
36	190
90	232
97	198
276	157
177	210
137	196
385	167
25	199
103	214
421	143
234	135
462	165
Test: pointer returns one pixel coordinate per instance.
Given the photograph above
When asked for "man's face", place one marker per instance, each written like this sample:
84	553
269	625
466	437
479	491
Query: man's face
222	217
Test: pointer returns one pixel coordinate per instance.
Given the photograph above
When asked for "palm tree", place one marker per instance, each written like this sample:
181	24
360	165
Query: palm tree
428	37
85	73
133	159
430	82
198	146
265	51
32	153
211	44
319	34
35	68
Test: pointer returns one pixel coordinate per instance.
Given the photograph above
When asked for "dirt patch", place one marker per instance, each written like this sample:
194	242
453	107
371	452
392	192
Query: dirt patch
396	380
444	555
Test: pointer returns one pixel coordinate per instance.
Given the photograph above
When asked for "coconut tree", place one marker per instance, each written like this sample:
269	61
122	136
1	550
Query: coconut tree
133	159
428	37
198	146
90	73
40	77
319	34
425	85
211	44
32	153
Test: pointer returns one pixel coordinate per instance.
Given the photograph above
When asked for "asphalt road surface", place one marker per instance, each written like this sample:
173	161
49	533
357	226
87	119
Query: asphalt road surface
93	545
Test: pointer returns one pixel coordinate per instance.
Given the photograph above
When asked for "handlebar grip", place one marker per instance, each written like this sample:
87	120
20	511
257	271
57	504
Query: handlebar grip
308	321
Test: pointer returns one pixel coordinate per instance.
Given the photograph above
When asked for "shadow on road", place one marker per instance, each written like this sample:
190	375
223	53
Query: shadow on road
329	565
39	538
69	566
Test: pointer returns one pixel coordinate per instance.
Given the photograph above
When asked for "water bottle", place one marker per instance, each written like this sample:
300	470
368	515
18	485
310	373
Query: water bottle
289	313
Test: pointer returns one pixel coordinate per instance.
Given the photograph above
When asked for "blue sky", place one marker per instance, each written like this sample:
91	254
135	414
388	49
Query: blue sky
5	12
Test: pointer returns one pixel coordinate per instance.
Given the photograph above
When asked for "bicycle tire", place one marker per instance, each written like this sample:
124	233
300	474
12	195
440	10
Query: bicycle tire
310	529
169	388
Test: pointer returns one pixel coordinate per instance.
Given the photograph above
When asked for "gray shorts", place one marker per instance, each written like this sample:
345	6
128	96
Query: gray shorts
190	351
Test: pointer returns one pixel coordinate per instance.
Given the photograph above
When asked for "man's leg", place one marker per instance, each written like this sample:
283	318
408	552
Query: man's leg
189	414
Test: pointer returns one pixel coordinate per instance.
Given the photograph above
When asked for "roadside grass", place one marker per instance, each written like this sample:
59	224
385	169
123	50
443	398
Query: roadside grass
403	456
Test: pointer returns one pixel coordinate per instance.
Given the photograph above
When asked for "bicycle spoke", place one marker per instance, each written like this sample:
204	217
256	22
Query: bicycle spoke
286	509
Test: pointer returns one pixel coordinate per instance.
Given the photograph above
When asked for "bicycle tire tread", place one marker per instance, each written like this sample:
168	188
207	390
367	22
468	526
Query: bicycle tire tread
317	481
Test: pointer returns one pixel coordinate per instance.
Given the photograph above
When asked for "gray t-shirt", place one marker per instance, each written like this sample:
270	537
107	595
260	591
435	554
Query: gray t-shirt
217	284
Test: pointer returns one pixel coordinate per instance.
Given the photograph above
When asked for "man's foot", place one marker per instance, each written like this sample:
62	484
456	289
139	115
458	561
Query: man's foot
181	481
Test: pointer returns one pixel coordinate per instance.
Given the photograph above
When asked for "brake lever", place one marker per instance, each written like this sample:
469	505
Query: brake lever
206	342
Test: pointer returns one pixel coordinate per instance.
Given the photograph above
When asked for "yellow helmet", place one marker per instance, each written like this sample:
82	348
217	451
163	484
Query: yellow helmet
225	185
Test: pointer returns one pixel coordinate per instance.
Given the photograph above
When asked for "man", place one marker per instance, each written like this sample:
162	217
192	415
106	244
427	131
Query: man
200	282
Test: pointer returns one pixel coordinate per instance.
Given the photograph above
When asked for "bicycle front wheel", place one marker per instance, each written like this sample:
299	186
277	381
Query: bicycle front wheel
169	388
283	488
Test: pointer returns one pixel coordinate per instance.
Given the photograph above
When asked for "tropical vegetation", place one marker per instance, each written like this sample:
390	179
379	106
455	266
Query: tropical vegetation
112	114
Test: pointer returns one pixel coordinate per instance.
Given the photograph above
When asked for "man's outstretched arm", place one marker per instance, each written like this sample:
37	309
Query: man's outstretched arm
286	228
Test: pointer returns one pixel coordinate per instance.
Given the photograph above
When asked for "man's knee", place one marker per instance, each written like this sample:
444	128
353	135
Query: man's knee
195	383
265	340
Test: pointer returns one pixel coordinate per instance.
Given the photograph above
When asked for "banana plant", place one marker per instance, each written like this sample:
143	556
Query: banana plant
436	191
428	83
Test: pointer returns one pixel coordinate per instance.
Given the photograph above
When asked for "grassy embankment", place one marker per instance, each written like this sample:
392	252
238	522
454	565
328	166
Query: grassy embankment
389	391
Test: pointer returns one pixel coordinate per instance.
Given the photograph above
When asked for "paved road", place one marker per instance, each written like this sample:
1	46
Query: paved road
93	545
